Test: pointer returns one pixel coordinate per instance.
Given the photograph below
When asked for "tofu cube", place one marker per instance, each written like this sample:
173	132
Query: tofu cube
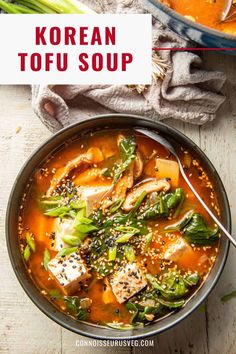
177	250
62	227
168	169
127	282
93	196
69	272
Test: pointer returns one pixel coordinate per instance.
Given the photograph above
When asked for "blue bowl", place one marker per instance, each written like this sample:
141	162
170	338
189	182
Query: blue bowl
195	32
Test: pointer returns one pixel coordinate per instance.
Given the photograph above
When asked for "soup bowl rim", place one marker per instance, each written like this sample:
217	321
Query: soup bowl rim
93	331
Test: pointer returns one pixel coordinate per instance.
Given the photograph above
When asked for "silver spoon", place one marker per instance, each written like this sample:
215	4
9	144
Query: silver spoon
225	13
167	144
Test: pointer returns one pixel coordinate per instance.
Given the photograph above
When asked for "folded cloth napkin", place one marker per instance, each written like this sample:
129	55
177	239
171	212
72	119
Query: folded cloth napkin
187	92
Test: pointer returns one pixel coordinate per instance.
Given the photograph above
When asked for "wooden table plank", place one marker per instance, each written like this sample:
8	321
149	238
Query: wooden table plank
23	328
218	140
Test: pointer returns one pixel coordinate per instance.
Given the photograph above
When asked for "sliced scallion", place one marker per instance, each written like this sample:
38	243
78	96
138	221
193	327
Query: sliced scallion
148	240
30	241
129	253
46	258
112	253
71	240
66	251
27	253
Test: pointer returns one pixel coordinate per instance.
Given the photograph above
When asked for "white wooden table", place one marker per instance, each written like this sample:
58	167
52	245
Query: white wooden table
24	329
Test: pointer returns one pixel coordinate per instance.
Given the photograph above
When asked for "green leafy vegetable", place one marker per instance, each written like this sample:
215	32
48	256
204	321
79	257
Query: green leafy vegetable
145	308
132	308
198	233
73	304
172	285
195	229
114	231
46	258
140	313
127	147
97	218
162	205
144	314
192	279
179	225
173	199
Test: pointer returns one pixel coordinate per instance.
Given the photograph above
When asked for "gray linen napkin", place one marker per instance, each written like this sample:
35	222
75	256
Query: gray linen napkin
187	92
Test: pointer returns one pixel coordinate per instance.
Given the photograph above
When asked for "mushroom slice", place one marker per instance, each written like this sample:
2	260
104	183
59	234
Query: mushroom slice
93	155
87	176
138	165
149	186
119	190
130	176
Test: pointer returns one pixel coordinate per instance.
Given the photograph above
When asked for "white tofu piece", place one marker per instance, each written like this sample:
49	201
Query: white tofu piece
127	282
69	271
177	250
62	227
92	196
167	169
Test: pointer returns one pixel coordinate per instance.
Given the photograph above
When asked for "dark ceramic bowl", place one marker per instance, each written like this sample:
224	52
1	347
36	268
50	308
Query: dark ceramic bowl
52	144
190	30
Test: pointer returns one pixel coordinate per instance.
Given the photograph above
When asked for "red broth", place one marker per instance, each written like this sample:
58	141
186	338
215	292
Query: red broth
206	12
103	305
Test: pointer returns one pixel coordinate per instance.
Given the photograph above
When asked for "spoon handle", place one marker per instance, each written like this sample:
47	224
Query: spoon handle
216	220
